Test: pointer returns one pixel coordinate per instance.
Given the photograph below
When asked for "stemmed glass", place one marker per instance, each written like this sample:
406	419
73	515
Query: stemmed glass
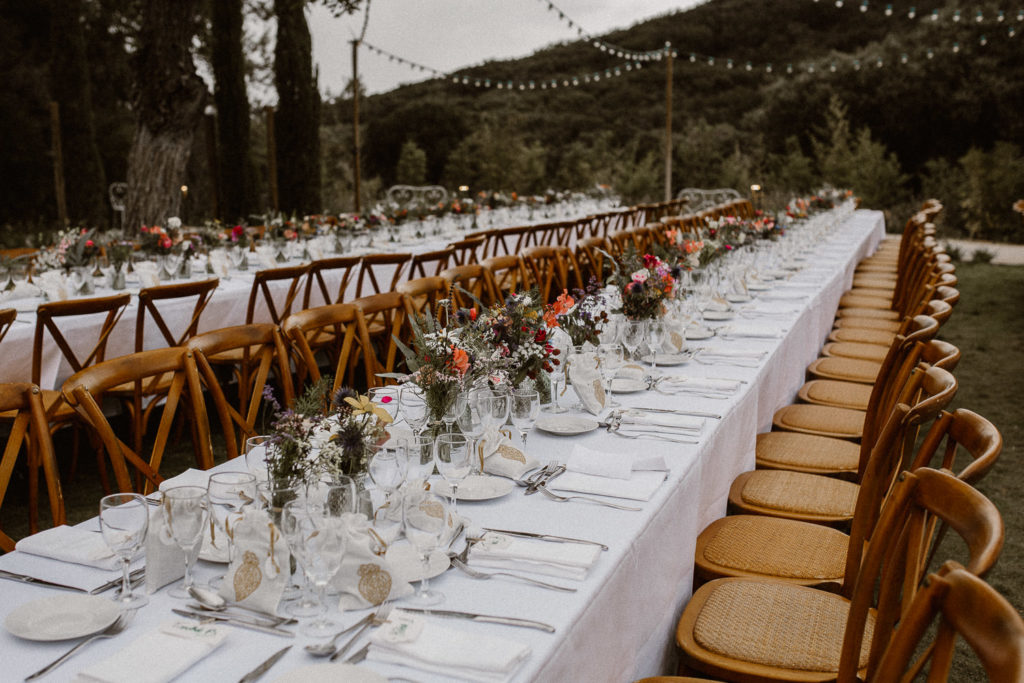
316	535
425	516
256	450
186	512
494	407
387	398
611	359
525	409
414	407
633	332
229	492
655	336
557	377
124	521
388	468
453	457
470	420
419	458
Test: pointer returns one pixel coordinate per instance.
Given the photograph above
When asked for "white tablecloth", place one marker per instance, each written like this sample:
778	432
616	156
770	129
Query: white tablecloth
620	625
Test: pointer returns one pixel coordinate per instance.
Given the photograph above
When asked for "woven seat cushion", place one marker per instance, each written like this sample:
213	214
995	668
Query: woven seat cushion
875	281
831	392
806	452
863	312
855	350
776	624
846	369
865	301
862	335
877	291
841	423
868	323
777	547
798	493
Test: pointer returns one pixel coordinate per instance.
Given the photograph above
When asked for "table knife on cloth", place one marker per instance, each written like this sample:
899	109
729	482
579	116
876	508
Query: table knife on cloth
263	668
485	618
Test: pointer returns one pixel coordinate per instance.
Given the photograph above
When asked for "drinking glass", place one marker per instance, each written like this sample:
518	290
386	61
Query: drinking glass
316	535
388	469
655	336
124	521
611	359
419	458
186	512
413	406
633	332
470	420
256	450
229	493
453	457
425	516
557	377
525	409
386	398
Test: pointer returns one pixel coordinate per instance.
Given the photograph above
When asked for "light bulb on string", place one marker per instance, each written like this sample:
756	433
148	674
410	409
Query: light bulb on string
728	64
912	14
930	53
1020	15
956	17
879	63
768	68
979	17
888	10
904	58
750	67
935	15
956	48
856	65
810	69
983	42
693	57
1001	17
789	68
864	6
1012	31
839	3
832	67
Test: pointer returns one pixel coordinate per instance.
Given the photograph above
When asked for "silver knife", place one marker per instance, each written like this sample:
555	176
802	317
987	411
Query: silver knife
235	621
265	666
486	618
135	575
24	578
692	413
548	537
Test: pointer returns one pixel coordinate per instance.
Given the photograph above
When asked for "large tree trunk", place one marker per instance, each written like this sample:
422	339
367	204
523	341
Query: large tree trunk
297	123
234	172
69	76
168	107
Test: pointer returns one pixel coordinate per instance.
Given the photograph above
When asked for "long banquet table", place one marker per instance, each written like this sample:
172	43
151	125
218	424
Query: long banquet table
619	626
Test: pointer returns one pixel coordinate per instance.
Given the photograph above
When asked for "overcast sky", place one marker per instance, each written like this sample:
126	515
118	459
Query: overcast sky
451	34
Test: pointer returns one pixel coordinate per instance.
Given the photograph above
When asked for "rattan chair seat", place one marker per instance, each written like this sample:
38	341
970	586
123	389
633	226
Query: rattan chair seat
870	301
862	335
774	624
867	324
772	546
782	493
859	350
845	369
806	452
840	423
875	281
831	392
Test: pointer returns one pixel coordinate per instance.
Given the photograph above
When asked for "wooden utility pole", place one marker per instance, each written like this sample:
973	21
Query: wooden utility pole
356	172
271	157
668	121
58	165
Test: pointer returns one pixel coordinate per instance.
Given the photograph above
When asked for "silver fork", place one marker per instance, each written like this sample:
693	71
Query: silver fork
561	498
477	574
109	632
379	617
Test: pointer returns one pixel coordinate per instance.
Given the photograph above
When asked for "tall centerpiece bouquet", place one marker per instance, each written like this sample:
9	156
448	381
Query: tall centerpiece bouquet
646	282
580	315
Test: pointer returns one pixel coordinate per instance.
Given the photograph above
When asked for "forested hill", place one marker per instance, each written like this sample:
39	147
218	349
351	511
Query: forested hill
731	125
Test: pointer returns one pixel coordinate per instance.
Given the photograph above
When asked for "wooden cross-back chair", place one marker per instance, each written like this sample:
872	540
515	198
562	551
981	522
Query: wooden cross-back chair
373	269
422	295
466	251
764	629
384	311
619	242
590	255
466	282
551	271
486	248
30	433
338	321
263	349
504	275
7	317
429	263
511	241
85	391
341	267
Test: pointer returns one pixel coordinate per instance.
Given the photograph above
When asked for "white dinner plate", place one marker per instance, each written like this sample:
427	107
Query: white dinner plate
565	425
477	487
626	385
405	560
758	286
697	333
718	315
330	673
738	298
671	359
60	617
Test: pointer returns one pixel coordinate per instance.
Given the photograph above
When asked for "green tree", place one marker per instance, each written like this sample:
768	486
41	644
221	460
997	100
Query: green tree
791	172
489	160
833	145
994	181
234	172
412	165
875	173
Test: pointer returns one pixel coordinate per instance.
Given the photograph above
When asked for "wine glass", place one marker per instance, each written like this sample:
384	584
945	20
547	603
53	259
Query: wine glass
419	458
229	492
453	457
633	335
557	377
413	406
257	448
611	359
469	418
316	536
426	515
186	512
124	521
386	398
525	409
388	469
655	336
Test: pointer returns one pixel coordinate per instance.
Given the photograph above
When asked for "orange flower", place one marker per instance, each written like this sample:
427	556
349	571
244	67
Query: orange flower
563	303
550	319
460	360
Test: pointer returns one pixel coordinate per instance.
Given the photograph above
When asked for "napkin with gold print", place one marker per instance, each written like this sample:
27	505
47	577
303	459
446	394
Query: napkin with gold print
500	457
585	377
260	567
366	577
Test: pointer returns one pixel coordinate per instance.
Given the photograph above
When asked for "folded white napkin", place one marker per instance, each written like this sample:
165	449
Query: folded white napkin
726	386
22	289
631	371
750	330
613	465
266	256
219	262
53	285
646	419
71	544
640	486
719	304
148	273
160	655
415	641
587	382
502	458
563	560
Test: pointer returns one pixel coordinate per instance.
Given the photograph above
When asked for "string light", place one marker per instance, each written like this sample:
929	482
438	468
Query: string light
955	15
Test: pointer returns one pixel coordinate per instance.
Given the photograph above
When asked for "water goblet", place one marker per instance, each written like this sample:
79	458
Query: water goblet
316	536
525	409
419	458
413	405
453	457
469	418
426	517
386	398
388	468
186	513
633	332
124	521
655	336
229	493
611	360
257	448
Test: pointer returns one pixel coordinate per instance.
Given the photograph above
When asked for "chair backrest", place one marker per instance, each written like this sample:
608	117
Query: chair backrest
471	278
380	311
468	250
511	241
422	294
85	389
549	271
619	242
262	346
590	255
340	267
150	300
962	431
964	606
278	306
373	269
941	354
504	275
49	318
895	562
7	316
429	263
28	431
303	331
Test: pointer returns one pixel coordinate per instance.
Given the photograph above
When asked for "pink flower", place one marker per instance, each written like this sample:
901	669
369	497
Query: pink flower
640	276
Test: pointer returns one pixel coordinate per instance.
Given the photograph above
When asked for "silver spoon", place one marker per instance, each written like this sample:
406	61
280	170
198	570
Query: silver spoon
326	649
213	602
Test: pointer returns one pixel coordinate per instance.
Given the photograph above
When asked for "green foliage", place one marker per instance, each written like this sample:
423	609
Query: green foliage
412	165
491	158
994	180
982	256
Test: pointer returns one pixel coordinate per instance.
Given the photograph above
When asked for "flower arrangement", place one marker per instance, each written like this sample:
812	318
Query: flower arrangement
579	315
72	248
155	240
355	427
119	251
645	282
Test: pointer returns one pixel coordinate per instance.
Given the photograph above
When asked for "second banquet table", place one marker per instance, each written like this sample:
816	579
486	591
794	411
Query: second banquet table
620	624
